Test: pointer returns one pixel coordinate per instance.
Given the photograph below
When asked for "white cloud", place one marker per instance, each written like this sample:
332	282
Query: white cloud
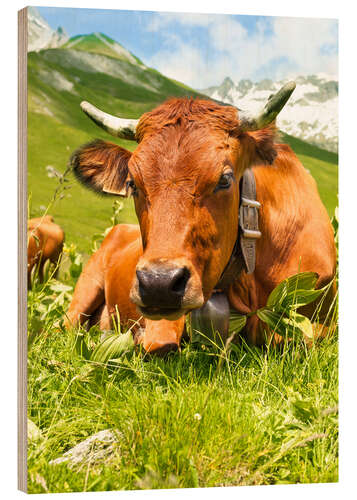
162	19
185	64
278	48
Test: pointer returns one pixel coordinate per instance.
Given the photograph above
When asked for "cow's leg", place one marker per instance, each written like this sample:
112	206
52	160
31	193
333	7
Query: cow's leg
100	317
89	292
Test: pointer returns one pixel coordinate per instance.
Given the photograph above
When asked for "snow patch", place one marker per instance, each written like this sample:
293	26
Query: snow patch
311	113
98	63
38	106
56	80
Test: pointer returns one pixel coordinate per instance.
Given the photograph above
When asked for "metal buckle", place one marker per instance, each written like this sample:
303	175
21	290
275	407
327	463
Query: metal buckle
246	232
246	202
251	233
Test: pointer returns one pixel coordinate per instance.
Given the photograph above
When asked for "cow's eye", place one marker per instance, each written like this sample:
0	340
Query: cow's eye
224	182
131	187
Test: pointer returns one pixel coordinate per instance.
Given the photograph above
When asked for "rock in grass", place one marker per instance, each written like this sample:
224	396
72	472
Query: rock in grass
96	449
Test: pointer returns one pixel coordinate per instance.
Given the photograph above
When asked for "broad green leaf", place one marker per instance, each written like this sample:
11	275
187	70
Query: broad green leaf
277	295
297	324
273	319
302	323
113	347
236	322
300	281
299	298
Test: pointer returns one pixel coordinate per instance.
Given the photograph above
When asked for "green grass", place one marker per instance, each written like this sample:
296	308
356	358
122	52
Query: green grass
265	416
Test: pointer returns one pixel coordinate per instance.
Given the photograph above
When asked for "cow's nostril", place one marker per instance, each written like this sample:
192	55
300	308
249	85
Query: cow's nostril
180	280
162	286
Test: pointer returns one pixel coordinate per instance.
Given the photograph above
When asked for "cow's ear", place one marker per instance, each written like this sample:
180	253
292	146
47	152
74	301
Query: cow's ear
102	166
264	148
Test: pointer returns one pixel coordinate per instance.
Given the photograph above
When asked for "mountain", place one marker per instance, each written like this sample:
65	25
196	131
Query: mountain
311	113
41	35
98	43
60	78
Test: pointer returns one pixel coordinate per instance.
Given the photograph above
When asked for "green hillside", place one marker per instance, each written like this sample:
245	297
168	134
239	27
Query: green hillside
58	80
99	43
322	165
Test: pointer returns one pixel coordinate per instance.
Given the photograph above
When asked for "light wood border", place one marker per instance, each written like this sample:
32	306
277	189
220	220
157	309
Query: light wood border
22	250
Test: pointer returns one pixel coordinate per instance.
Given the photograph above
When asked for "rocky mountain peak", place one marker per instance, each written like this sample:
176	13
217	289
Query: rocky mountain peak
311	113
41	35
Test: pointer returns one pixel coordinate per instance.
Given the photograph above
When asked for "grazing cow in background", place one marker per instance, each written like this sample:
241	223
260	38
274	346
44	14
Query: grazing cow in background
185	177
44	242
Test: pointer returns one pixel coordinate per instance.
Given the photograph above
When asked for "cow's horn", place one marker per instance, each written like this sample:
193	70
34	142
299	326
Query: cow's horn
272	108
119	127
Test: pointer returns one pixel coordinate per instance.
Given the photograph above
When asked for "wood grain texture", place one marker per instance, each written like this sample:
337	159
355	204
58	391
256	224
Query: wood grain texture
22	249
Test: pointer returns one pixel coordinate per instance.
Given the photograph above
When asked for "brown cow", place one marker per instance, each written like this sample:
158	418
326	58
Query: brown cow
105	284
184	177
44	242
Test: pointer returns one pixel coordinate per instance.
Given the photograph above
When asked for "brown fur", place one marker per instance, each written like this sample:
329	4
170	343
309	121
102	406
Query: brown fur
105	285
184	147
44	242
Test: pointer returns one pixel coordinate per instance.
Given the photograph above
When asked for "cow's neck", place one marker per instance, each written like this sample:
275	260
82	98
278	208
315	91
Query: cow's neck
243	255
281	220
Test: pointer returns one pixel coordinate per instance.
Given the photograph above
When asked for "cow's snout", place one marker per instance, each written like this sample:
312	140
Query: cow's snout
162	286
164	289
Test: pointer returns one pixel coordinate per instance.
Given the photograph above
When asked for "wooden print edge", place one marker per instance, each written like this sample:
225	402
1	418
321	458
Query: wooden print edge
22	249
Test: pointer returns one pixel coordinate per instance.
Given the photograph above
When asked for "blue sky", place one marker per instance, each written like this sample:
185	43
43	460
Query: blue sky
202	49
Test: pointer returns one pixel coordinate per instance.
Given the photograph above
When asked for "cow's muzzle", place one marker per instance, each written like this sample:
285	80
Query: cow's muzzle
163	286
164	290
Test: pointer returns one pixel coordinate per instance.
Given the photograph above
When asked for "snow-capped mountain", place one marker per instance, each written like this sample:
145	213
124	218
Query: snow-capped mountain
41	35
311	113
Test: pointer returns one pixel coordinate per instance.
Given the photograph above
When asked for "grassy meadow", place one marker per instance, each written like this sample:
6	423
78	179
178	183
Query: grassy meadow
202	417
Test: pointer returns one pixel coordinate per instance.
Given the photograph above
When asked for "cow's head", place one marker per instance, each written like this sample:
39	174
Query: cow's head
184	177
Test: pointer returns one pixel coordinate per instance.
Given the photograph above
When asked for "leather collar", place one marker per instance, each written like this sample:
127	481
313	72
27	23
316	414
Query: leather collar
243	254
